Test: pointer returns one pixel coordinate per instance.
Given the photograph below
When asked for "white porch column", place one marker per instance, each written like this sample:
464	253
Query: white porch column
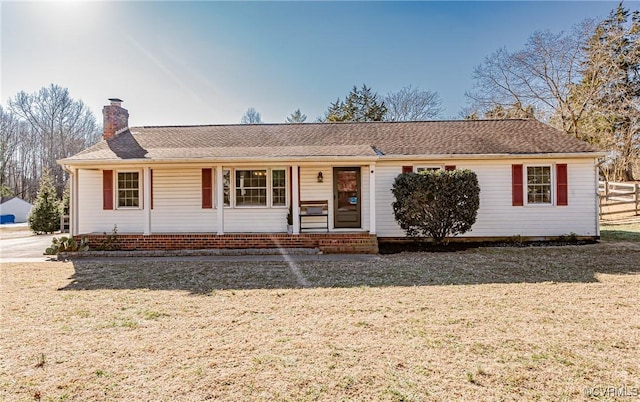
372	199
220	199
295	195
146	203
73	208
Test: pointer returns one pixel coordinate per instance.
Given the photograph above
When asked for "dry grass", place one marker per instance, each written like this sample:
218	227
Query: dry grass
621	232
539	323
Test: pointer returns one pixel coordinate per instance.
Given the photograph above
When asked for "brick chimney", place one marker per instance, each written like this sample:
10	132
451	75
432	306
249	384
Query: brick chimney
116	119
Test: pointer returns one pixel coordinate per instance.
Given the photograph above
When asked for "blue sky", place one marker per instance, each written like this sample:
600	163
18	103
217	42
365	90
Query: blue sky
176	63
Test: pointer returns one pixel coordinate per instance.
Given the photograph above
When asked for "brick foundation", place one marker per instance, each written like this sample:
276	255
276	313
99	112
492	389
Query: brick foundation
328	243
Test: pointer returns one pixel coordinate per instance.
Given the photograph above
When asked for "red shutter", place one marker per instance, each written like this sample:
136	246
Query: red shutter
207	194
517	191
562	184
107	189
407	169
151	186
450	167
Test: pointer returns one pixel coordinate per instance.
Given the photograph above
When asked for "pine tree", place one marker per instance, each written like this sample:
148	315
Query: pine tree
45	214
297	117
515	111
5	191
360	105
611	88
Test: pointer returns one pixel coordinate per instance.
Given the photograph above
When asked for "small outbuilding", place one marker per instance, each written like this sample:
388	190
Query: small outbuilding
15	206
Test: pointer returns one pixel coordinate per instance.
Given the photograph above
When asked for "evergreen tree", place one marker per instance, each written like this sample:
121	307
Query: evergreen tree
5	191
611	88
360	105
65	204
515	111
498	112
297	117
45	214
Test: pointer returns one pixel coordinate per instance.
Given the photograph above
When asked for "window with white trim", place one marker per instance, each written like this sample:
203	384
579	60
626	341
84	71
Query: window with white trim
128	190
256	187
251	188
278	188
226	187
539	185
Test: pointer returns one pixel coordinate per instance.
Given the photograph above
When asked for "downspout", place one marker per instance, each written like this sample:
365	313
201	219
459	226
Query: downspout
597	178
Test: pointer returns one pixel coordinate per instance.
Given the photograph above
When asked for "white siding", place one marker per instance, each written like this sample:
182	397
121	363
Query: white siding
177	203
255	220
496	216
311	190
92	218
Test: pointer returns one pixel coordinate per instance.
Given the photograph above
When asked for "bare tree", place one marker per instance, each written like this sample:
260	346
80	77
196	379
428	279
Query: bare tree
412	104
9	142
53	126
541	75
251	116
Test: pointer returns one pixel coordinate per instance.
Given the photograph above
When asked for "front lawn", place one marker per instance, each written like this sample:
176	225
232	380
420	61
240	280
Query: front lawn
624	232
530	323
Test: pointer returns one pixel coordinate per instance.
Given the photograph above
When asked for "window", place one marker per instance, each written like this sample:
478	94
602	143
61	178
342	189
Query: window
251	188
128	189
278	188
539	184
226	185
427	169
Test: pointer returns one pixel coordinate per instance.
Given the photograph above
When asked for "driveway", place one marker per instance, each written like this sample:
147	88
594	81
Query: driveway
19	244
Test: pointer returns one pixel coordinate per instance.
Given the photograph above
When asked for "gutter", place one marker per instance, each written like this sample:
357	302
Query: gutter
321	159
217	160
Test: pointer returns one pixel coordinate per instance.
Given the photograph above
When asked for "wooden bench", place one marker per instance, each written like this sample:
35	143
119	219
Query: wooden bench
314	209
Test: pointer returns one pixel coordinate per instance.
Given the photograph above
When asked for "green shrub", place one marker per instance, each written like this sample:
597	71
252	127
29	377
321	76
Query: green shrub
110	242
45	214
67	244
436	204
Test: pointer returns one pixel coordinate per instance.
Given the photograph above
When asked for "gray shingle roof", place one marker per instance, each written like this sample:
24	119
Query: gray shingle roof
464	137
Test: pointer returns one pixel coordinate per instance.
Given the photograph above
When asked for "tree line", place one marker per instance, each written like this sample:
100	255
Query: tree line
36	129
363	104
585	81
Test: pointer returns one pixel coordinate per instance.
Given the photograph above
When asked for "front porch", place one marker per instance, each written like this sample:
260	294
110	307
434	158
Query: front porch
327	243
224	200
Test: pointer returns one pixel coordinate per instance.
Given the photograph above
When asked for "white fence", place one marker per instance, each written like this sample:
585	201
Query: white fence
618	199
64	223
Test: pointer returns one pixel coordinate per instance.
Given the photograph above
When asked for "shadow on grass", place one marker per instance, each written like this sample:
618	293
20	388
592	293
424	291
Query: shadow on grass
612	234
473	266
